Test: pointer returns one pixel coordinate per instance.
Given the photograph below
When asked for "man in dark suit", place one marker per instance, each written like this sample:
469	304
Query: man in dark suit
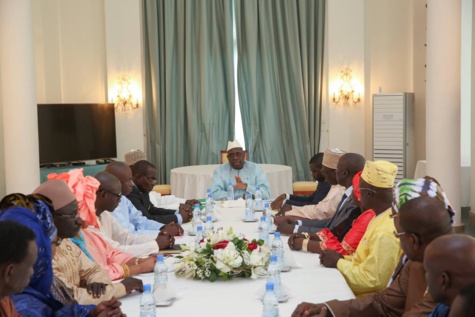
347	211
144	175
315	165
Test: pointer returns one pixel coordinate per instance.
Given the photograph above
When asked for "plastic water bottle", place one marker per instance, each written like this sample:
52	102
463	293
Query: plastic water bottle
258	199
209	224
268	214
147	302
271	305
263	230
160	279
249	212
196	217
278	249
273	276
199	235
209	205
230	191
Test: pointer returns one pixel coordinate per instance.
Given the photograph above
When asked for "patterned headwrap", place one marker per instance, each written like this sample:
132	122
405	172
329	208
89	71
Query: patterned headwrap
37	203
408	189
84	189
331	157
356	185
43	271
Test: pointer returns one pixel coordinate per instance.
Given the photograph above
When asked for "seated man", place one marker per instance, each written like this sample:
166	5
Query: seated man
18	253
159	201
243	174
449	262
116	263
70	264
347	210
130	217
323	188
107	199
420	207
324	239
326	208
369	269
144	175
40	298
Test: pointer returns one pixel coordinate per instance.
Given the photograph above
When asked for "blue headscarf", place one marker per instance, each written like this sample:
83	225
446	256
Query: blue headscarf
36	299
45	231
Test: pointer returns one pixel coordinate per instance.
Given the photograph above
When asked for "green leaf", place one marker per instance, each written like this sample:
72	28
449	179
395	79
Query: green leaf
213	277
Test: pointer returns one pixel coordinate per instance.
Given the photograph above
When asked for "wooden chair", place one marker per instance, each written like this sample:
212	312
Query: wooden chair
304	188
163	189
224	156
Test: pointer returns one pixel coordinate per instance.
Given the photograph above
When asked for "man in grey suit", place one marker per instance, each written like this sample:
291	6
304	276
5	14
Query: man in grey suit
347	211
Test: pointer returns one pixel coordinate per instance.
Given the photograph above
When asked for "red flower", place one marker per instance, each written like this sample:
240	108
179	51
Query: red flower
221	245
252	246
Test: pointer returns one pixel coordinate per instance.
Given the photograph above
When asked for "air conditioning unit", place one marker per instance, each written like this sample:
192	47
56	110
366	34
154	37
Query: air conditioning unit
393	131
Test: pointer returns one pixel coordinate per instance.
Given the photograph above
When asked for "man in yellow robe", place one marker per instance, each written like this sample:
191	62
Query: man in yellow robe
369	269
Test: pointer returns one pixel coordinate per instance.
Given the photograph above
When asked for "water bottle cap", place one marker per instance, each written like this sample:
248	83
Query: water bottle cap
208	190
199	228
258	187
230	183
267	205
249	196
269	286
160	257
263	218
209	195
147	287
277	234
273	258
197	205
208	218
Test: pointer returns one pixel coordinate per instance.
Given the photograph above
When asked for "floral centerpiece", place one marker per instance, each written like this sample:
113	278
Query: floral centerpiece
224	254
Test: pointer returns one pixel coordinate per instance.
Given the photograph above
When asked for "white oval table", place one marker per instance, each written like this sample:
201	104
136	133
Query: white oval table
192	181
240	297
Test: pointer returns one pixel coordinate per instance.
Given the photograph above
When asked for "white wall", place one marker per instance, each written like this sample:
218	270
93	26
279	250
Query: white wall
80	49
344	125
124	55
375	39
466	81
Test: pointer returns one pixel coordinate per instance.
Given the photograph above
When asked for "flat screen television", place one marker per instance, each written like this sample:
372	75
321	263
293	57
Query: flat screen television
76	132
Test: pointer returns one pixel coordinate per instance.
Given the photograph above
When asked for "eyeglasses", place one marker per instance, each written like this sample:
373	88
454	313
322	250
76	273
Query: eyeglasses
400	234
57	242
118	196
370	189
153	180
238	154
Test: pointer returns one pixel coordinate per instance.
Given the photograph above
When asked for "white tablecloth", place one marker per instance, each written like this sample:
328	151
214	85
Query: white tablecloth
192	181
239	297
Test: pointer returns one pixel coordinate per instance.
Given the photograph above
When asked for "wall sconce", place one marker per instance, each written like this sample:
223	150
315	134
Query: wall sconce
125	99
346	91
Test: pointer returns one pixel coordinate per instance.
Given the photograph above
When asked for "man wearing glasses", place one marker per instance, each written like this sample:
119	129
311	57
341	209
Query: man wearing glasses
128	215
144	175
369	269
421	213
245	176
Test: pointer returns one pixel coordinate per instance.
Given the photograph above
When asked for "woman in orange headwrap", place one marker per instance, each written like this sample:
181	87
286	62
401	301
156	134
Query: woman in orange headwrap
325	239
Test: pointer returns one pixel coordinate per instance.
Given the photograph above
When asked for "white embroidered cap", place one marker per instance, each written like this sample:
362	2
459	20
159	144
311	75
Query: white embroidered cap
233	144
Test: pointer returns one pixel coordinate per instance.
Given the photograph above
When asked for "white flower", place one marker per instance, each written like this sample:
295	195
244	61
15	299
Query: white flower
227	257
